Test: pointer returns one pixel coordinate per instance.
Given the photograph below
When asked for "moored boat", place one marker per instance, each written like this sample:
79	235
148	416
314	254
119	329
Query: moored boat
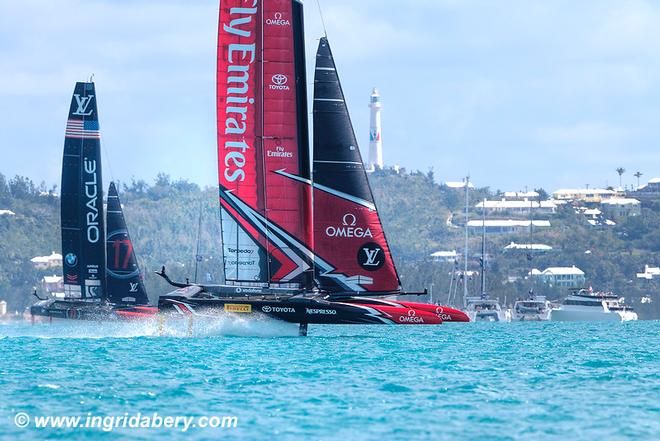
586	305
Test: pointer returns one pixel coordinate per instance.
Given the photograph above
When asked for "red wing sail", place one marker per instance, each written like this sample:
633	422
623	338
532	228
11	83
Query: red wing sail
262	132
352	253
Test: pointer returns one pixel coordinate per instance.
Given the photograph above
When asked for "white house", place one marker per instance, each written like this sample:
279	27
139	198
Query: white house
650	273
528	247
622	207
566	277
7	213
45	262
458	184
519	207
445	256
583	194
521	195
505	226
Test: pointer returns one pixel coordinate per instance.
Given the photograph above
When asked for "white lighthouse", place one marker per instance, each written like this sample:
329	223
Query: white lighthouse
375	139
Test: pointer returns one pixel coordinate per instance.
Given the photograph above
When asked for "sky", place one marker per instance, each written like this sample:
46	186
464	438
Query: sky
519	94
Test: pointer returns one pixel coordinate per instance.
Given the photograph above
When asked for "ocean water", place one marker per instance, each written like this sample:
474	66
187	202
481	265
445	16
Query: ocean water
535	381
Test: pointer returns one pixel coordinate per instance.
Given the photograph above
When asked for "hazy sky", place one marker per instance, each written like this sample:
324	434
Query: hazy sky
522	93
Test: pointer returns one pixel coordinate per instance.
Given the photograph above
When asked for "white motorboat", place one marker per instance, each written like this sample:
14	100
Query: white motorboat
585	305
485	309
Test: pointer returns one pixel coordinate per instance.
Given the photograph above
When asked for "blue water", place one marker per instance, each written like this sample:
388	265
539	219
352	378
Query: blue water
470	381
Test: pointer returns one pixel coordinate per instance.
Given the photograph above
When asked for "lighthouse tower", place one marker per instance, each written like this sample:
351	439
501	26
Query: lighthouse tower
375	140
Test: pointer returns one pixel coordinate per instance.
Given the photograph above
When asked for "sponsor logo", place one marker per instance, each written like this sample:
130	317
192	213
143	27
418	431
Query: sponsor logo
240	290
280	152
73	313
440	312
279	82
238	307
268	309
312	311
83	103
371	256
133	286
92	194
348	228
411	318
72	278
71	259
277	20
241	54
238	251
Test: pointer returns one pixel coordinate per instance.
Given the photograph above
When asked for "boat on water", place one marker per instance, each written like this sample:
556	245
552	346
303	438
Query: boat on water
535	308
485	309
102	279
298	246
586	305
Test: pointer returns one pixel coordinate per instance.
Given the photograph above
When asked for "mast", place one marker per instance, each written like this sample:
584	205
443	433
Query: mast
530	255
483	248
198	258
81	210
263	146
465	252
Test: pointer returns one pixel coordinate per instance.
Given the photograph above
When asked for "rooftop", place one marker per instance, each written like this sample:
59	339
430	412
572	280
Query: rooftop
7	213
458	184
47	259
507	223
620	201
528	246
52	279
525	203
559	271
444	254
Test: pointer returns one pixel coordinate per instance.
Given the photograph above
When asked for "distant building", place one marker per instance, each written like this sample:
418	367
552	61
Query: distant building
518	207
53	284
46	262
583	194
505	226
3	308
458	184
7	213
445	256
650	273
565	277
518	195
621	207
647	192
528	247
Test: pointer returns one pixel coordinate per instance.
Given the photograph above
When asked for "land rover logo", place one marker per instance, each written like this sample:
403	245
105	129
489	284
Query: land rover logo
71	259
371	256
280	79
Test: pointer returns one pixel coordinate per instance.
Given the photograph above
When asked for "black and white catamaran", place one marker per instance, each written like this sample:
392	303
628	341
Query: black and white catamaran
102	280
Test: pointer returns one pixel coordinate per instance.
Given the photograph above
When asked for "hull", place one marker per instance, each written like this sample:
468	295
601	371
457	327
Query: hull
563	315
75	310
489	316
304	310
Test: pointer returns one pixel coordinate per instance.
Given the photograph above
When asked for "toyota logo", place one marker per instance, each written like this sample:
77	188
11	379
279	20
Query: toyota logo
280	79
266	308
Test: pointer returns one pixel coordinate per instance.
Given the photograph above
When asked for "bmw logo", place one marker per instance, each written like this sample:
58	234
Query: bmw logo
71	259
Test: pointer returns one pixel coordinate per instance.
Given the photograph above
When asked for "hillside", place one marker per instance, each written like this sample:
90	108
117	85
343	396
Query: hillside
163	220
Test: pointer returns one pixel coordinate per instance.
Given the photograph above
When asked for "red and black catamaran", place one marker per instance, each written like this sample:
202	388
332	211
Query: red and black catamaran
102	280
299	246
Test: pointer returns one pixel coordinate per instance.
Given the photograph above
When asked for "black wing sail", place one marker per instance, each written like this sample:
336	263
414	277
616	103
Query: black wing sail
82	217
352	253
125	285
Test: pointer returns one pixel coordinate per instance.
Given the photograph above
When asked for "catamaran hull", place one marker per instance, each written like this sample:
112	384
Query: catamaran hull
304	310
67	310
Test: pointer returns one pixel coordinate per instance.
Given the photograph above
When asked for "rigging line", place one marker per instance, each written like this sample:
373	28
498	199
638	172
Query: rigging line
325	32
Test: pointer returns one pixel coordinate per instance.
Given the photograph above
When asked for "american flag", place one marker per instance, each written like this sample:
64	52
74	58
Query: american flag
76	128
